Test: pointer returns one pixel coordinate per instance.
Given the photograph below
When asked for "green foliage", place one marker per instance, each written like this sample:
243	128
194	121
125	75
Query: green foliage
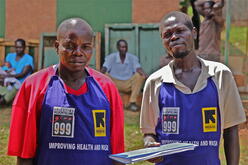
238	41
4	134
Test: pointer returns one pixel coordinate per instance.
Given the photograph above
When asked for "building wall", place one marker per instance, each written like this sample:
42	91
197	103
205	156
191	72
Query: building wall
96	12
151	11
28	19
2	18
239	11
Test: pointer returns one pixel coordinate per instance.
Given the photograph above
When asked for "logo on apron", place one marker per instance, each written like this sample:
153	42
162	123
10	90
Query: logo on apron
209	119
99	122
63	122
170	120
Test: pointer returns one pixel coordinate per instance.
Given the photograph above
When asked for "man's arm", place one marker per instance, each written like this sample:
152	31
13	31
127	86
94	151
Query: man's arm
21	161
231	145
141	72
217	12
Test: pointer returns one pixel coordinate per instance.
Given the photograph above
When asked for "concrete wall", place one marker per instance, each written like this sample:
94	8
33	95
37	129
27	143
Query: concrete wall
28	19
151	11
96	12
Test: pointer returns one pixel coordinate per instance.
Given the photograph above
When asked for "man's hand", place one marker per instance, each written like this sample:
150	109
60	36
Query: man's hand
104	70
21	161
141	72
149	141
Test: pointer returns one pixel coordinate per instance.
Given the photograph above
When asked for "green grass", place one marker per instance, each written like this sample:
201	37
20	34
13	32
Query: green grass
238	40
238	37
133	138
5	113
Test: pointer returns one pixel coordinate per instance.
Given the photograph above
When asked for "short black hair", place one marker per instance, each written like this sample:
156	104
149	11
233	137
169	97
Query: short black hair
187	21
119	41
211	3
22	41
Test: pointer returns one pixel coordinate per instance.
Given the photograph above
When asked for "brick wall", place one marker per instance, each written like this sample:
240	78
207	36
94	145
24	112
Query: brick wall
151	11
28	19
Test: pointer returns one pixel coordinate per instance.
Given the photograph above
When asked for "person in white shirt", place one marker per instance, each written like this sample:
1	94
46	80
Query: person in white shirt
126	72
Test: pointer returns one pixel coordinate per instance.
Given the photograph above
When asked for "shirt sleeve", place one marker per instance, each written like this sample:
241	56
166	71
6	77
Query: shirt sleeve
23	129
136	63
233	110
8	58
25	117
149	108
29	61
107	62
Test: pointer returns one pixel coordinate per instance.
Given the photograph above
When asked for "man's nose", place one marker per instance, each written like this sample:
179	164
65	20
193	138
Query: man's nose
78	51
174	37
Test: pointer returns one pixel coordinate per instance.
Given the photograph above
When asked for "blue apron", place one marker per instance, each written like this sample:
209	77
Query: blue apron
191	118
74	129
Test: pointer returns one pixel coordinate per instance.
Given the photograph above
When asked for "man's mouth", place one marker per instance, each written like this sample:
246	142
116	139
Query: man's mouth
77	62
176	44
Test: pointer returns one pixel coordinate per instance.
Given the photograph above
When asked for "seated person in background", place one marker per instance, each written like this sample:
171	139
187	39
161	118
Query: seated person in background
210	29
21	64
125	70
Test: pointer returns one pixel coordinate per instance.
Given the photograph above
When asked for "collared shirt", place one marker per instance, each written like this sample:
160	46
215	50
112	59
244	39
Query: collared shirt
119	70
231	109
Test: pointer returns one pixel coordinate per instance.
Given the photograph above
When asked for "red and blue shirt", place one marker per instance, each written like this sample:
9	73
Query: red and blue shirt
28	116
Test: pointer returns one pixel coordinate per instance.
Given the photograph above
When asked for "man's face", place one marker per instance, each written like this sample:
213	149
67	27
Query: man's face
75	49
19	48
177	38
122	47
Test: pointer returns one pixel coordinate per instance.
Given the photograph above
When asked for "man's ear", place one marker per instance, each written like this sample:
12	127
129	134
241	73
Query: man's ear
194	31
56	45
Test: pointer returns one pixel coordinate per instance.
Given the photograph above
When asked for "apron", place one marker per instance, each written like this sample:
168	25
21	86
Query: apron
74	129
190	118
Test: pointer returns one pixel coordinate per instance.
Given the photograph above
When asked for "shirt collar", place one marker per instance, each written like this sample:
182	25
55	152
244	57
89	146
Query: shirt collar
118	59
169	76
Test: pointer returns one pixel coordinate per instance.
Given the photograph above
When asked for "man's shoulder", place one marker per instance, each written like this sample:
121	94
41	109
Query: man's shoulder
40	77
28	56
215	67
100	77
9	55
111	55
214	64
160	74
131	55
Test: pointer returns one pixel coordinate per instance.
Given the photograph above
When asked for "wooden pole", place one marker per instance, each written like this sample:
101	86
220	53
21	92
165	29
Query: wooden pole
228	28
